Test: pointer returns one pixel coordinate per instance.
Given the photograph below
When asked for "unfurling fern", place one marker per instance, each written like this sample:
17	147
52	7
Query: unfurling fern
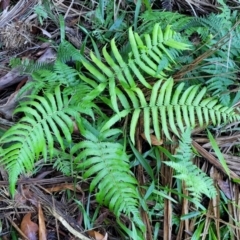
197	181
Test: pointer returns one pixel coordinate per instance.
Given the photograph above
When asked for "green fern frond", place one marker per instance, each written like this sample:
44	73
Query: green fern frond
47	80
103	159
145	57
67	52
176	20
170	109
222	73
61	74
29	66
212	22
197	181
47	120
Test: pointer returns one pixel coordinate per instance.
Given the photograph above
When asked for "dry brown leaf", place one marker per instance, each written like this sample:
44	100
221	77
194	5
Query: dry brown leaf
154	140
25	195
28	227
96	235
225	187
42	226
64	186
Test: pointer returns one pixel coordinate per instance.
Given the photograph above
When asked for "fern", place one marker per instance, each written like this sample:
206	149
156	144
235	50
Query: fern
176	20
145	56
223	73
197	182
46	120
137	85
103	158
221	33
182	107
67	52
29	66
176	109
48	79
61	74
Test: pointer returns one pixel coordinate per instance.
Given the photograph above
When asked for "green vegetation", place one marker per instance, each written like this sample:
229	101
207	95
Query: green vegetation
154	82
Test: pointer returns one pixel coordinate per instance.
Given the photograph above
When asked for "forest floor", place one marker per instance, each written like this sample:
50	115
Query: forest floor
49	205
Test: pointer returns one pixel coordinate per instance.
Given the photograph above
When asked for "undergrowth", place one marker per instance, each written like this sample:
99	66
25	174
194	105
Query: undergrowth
109	96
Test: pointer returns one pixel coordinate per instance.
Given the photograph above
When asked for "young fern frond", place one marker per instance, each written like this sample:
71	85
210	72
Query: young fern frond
197	181
103	159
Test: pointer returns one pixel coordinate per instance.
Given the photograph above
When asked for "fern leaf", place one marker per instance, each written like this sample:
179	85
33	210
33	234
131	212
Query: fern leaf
105	161
67	52
173	110
145	57
197	182
46	120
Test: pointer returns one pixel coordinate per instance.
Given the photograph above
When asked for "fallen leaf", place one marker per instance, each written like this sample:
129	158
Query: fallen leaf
96	235
25	195
64	186
154	140
42	226
28	227
225	187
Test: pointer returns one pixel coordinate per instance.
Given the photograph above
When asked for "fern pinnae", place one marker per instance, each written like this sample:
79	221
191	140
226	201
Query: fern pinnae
133	44
31	136
161	93
177	92
171	120
157	35
94	71
108	165
113	95
168	94
200	95
154	108
101	65
146	114
189	173
138	74
154	93
133	124
115	67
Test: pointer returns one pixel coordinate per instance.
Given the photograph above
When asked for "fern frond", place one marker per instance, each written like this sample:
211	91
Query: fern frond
176	20
47	119
224	73
61	74
145	57
103	159
197	181
29	66
67	52
47	80
169	108
212	22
